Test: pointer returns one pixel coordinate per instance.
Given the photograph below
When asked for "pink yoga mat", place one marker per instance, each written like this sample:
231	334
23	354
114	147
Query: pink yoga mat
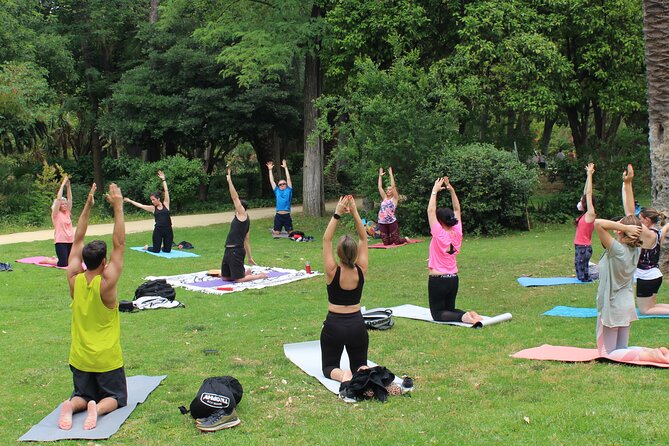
549	352
380	245
37	261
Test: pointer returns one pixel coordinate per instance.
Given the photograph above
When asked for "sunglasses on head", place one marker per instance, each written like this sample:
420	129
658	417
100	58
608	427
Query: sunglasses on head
283	184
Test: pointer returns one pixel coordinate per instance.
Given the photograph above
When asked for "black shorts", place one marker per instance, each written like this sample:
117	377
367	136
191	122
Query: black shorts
94	386
232	266
283	220
646	288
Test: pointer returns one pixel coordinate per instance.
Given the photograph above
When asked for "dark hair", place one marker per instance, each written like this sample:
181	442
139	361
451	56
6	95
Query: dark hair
244	203
93	253
584	205
653	215
347	250
157	195
446	216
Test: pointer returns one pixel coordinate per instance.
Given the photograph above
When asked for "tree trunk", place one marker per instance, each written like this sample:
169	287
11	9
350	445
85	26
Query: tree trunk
546	135
656	36
153	11
96	151
313	194
579	126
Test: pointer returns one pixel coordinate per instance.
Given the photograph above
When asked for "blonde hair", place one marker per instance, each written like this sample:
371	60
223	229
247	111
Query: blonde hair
634	242
347	250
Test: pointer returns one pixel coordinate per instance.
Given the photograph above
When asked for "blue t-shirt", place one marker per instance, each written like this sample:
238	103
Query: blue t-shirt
283	198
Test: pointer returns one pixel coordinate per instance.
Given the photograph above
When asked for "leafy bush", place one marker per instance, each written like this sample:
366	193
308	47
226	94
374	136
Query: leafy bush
492	185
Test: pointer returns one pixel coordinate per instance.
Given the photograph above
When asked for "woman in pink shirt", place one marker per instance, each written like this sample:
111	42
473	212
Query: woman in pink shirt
585	225
61	217
446	230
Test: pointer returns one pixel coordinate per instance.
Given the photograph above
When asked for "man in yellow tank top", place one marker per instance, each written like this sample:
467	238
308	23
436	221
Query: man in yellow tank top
95	359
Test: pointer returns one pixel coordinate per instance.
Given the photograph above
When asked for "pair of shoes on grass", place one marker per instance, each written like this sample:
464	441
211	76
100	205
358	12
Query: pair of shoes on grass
6	267
217	421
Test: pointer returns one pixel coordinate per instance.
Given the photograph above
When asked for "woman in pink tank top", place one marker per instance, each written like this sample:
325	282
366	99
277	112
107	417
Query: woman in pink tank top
585	225
61	217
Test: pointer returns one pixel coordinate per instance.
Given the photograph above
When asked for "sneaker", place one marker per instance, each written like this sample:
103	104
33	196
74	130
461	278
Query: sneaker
219	420
407	385
3	267
347	397
8	267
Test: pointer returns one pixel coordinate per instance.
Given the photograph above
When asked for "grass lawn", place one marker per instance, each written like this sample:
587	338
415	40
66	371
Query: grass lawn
468	389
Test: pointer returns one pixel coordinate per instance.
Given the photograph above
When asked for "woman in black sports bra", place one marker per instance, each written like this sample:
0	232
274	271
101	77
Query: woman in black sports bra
344	325
162	231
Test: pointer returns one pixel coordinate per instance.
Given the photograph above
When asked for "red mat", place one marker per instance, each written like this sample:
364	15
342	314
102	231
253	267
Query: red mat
380	245
549	352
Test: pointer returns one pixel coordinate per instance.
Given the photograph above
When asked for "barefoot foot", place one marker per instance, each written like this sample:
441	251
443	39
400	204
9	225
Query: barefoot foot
145	247
65	417
91	416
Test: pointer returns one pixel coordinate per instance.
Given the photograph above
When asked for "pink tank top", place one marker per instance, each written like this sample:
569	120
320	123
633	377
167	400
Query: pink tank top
584	232
63	232
444	247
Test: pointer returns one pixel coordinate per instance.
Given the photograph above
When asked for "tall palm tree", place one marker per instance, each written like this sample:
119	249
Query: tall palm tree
656	36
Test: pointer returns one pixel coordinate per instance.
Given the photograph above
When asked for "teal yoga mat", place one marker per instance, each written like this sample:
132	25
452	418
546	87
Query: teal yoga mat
549	281
561	311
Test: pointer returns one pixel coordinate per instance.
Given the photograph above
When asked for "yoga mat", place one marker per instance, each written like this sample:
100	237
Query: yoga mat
174	254
423	314
139	388
380	245
562	311
205	283
549	281
307	356
37	260
549	352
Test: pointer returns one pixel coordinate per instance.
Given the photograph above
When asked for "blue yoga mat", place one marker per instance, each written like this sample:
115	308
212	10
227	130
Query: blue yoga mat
562	311
549	281
174	254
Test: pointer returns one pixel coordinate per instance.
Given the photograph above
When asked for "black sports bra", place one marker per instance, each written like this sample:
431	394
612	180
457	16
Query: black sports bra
339	296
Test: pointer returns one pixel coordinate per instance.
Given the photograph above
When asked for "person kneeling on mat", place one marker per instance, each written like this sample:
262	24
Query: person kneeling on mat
95	352
237	245
344	325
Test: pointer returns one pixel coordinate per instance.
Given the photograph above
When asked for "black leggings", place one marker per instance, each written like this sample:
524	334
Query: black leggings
339	331
442	291
163	236
63	253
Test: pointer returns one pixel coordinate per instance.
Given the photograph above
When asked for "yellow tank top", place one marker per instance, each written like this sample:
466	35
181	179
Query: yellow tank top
96	329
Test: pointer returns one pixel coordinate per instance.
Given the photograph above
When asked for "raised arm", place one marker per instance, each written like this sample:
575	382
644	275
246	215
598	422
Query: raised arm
380	184
604	226
285	169
663	233
166	193
454	199
270	166
112	272
329	261
628	192
432	204
363	252
396	196
68	187
587	191
74	265
147	207
55	206
239	208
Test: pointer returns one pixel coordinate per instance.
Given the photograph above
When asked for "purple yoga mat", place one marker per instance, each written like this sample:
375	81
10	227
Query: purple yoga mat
220	282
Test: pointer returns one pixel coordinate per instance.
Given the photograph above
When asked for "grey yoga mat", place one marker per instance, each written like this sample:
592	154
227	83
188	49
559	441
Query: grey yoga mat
307	356
139	388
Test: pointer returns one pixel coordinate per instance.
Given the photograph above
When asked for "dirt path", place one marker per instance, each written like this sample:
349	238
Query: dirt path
179	221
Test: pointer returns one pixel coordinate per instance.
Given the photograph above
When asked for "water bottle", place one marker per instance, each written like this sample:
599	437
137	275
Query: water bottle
307	267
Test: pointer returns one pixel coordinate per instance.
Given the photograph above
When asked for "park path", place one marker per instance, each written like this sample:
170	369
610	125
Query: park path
178	221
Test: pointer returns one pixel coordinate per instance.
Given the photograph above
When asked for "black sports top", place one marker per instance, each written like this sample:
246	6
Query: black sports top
162	217
238	230
339	296
650	258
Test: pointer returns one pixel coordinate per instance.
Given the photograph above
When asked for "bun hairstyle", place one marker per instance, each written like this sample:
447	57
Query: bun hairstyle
347	250
653	215
626	239
446	217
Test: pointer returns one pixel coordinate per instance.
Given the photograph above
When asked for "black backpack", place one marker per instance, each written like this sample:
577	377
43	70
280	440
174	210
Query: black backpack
219	392
158	287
